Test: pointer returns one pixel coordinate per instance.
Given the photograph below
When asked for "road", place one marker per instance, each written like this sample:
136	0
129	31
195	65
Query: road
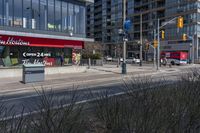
112	84
84	91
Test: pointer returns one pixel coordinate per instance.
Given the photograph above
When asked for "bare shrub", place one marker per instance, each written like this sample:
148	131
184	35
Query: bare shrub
151	106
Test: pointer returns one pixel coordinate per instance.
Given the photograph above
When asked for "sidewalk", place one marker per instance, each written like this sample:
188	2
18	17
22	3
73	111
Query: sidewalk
95	73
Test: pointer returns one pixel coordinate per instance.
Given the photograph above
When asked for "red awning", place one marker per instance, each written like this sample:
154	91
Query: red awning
39	42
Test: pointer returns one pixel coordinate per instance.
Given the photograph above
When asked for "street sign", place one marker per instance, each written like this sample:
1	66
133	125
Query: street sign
127	25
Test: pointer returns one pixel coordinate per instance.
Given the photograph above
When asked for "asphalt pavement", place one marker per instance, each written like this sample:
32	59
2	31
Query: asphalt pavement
96	80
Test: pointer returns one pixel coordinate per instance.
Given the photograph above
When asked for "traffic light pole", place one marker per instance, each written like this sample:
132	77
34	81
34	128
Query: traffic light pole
158	38
141	39
124	71
154	55
158	48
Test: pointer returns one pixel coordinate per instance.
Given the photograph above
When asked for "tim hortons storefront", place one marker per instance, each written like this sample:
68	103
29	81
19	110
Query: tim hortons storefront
18	50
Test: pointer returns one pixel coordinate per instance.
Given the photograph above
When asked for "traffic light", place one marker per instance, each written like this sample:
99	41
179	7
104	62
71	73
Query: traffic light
184	37
163	34
147	47
180	22
155	43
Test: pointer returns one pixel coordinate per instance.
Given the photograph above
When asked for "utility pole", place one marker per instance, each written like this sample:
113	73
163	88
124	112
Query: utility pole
124	71
193	50
158	49
141	39
154	48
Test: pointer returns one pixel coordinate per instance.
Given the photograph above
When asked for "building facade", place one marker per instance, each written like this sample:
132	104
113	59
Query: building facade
41	31
147	12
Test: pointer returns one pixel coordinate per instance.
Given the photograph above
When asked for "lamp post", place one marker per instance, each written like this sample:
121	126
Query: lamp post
154	49
141	39
158	49
124	71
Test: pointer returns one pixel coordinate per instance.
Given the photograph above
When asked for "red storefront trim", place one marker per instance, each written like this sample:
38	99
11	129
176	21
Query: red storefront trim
39	42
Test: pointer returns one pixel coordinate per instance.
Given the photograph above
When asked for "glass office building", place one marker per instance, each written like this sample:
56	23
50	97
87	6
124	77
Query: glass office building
48	27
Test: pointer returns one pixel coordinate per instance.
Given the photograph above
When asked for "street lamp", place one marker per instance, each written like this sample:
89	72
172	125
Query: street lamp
141	39
124	71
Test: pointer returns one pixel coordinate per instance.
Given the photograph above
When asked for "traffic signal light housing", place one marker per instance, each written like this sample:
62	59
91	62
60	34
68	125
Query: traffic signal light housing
147	46
184	37
162	34
155	43
180	22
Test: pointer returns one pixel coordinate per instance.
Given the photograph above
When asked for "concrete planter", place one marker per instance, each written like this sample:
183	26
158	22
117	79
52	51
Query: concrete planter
17	72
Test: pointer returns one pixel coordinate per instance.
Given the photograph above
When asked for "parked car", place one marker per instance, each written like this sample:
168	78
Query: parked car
131	60
136	60
108	58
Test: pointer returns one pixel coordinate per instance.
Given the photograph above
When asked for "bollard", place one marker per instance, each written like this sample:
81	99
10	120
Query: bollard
89	63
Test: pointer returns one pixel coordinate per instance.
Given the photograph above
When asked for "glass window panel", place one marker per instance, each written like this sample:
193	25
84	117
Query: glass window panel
17	13
43	14
50	24
35	14
1	12
71	17
82	20
76	19
58	19
27	14
64	17
8	12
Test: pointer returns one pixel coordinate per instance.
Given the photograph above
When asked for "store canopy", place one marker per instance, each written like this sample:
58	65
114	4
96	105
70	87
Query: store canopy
7	40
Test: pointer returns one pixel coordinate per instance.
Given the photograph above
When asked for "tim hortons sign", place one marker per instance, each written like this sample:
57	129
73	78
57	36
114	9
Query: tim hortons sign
12	41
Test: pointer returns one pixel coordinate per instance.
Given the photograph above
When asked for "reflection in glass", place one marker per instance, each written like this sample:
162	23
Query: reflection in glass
70	17
58	19
43	14
64	17
50	24
17	13
8	12
27	14
1	12
82	20
35	14
54	15
76	19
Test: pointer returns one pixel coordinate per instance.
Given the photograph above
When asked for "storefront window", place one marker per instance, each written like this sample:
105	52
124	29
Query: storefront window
27	14
1	51
64	16
51	24
1	55
43	14
17	57
58	19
